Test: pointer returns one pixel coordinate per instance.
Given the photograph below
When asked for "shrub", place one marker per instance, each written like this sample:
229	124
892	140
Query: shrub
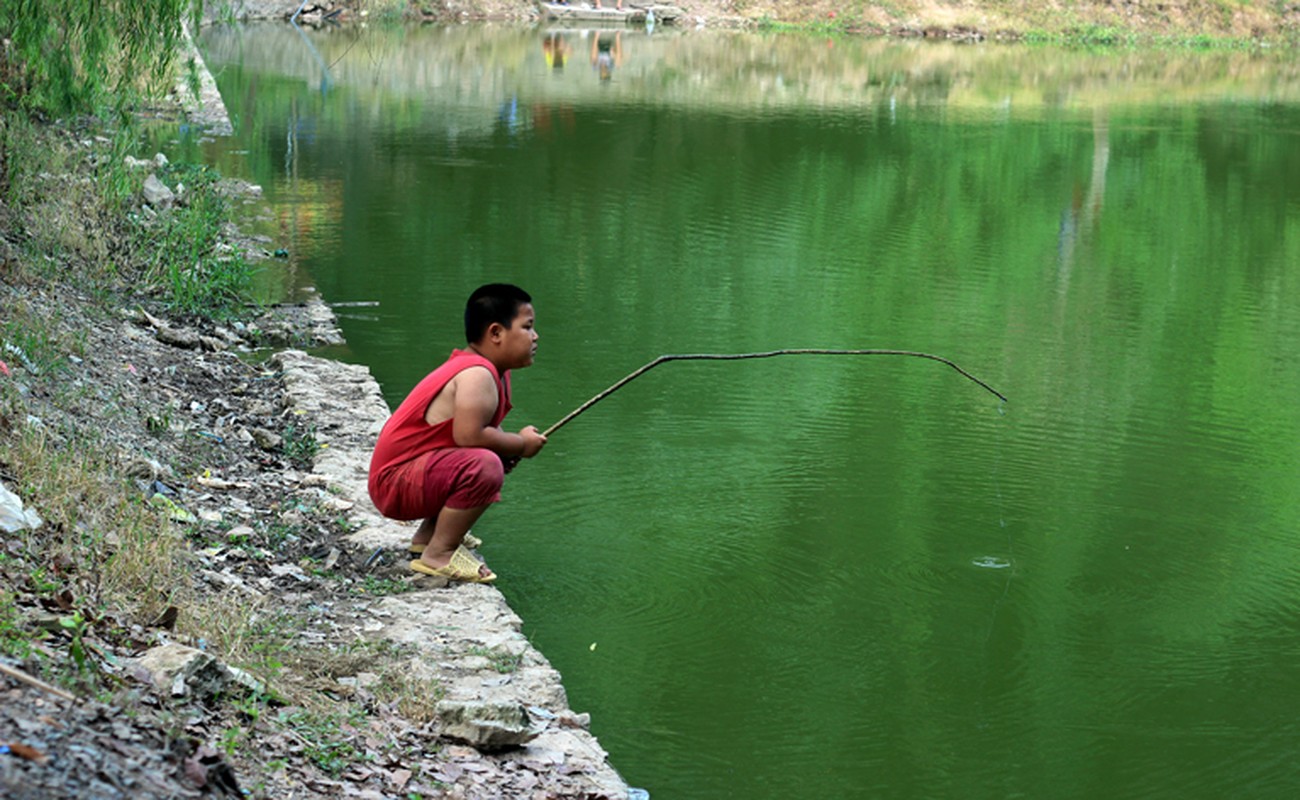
73	56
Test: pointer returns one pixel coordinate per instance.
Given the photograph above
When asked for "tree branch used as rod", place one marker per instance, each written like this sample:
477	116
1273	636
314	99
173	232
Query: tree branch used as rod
766	354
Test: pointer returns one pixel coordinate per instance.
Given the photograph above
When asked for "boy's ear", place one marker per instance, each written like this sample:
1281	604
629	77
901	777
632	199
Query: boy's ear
495	331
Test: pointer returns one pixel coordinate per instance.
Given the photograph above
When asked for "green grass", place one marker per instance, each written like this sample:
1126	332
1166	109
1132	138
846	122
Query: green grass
198	277
322	744
300	444
82	56
502	660
77	206
93	518
381	587
33	342
15	640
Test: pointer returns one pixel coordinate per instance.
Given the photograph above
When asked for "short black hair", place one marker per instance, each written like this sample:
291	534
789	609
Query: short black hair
495	302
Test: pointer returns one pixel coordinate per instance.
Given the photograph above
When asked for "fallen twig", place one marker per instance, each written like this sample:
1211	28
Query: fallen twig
19	675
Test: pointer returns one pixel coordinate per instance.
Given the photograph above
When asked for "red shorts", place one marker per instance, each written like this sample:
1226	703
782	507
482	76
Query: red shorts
452	477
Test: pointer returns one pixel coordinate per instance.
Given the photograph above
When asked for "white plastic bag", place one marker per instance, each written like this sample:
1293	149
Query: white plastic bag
12	516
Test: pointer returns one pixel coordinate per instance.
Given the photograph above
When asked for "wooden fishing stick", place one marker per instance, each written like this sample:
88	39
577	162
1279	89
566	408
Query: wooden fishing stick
767	354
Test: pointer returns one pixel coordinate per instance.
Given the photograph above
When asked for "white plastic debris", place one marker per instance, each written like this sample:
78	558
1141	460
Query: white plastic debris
13	517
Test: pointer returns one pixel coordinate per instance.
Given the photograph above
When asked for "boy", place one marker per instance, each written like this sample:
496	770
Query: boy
442	456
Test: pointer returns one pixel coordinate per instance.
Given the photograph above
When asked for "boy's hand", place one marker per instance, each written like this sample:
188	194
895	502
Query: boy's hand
533	441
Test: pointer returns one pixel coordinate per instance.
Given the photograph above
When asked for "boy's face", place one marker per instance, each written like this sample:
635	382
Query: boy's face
520	339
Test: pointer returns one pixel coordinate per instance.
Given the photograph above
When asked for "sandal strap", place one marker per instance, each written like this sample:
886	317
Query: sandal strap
464	563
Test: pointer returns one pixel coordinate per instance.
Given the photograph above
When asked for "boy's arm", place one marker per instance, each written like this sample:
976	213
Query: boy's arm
475	403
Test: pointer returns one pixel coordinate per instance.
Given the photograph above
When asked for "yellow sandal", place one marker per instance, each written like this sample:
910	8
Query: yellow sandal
462	567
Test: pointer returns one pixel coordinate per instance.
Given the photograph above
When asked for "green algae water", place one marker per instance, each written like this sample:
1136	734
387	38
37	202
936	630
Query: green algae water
847	577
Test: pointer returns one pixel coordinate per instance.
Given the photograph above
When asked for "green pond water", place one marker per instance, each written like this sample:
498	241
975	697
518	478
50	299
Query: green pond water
833	576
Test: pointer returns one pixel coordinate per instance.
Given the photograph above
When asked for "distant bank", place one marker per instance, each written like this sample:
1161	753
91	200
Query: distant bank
1206	23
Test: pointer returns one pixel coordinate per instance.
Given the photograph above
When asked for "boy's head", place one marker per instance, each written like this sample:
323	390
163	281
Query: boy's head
495	302
500	324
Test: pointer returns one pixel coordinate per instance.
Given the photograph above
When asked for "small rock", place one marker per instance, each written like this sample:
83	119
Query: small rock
266	439
179	337
185	671
232	339
239	532
487	726
148	469
571	720
157	194
292	570
336	504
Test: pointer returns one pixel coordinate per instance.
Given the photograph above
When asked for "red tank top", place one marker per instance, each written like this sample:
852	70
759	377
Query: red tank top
406	435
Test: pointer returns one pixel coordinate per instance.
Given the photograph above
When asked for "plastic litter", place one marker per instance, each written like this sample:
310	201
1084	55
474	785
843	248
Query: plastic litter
13	517
173	510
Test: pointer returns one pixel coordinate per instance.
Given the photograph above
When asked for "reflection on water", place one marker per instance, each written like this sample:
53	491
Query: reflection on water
829	579
452	67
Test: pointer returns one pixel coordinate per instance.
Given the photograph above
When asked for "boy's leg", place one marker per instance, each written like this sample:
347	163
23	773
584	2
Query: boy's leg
423	533
449	530
461	483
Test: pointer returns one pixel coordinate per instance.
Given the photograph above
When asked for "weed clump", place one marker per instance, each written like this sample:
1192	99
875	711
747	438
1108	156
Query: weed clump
192	270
